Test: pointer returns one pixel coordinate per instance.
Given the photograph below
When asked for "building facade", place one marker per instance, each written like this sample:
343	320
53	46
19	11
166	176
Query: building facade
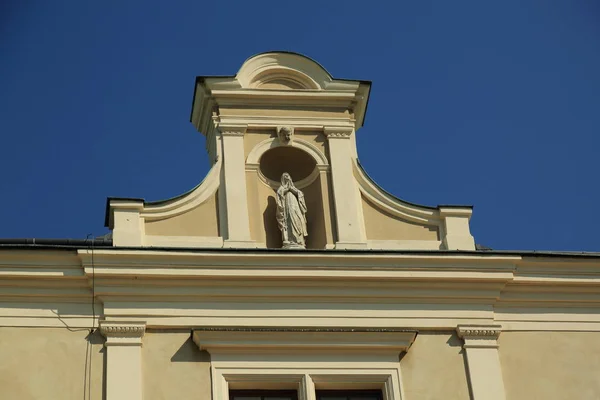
199	296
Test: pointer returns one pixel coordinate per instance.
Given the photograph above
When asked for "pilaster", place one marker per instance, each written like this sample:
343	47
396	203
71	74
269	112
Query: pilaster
485	372
123	359
346	196
233	185
127	226
457	234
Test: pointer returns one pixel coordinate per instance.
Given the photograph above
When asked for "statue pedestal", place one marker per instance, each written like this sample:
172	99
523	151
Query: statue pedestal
293	246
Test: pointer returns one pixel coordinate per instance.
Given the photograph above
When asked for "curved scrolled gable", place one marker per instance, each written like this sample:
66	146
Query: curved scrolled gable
183	203
241	115
392	205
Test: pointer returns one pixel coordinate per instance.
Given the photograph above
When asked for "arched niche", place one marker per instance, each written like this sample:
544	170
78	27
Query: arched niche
309	169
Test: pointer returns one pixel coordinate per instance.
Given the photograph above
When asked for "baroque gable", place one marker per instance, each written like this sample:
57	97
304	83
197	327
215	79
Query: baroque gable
284	113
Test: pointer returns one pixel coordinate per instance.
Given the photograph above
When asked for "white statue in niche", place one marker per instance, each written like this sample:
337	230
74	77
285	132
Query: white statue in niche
291	214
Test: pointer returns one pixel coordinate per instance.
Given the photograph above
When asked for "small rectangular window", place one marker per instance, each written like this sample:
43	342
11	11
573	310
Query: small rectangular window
349	395
263	395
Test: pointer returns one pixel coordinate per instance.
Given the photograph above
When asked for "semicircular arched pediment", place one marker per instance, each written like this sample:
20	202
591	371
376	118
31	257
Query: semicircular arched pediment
282	71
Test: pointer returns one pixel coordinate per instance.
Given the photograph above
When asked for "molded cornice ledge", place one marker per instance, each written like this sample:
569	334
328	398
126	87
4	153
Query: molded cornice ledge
479	336
123	333
310	339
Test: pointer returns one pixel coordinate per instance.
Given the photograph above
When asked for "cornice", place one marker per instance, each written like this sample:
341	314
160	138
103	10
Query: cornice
318	340
268	260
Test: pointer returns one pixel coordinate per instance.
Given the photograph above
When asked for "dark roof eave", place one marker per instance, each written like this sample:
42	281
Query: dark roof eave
31	243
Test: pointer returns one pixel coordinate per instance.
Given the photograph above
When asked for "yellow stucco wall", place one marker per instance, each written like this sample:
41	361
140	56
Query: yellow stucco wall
50	363
434	368
550	365
174	367
252	137
200	221
381	226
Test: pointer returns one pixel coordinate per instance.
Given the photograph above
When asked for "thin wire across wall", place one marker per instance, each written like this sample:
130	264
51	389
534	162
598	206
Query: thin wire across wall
89	353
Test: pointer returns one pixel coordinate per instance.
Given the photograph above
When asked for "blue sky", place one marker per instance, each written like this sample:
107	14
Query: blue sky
494	104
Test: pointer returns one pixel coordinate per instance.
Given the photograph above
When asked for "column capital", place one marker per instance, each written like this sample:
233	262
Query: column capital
123	333
232	129
479	335
338	132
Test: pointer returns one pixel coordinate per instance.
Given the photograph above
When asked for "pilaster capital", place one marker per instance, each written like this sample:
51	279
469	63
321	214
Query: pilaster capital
479	336
338	132
232	129
123	333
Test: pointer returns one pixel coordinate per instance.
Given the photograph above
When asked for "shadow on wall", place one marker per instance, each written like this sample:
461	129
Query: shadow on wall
272	232
189	352
455	341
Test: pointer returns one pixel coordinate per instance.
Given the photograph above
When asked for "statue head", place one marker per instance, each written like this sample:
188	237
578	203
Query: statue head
286	179
285	134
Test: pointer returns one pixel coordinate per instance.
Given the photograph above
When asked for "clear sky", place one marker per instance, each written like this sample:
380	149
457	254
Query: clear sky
494	104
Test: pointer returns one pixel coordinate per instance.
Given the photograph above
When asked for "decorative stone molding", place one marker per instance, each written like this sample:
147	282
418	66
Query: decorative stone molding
338	135
479	335
123	333
232	133
122	330
232	130
466	331
335	132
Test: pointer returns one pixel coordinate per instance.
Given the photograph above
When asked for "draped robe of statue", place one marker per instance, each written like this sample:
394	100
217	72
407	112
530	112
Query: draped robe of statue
291	213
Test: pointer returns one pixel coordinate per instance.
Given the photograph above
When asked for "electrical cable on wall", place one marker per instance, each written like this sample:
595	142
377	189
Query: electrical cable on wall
88	371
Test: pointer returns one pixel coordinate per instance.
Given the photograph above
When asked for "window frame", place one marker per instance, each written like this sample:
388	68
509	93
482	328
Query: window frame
305	359
262	393
348	393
